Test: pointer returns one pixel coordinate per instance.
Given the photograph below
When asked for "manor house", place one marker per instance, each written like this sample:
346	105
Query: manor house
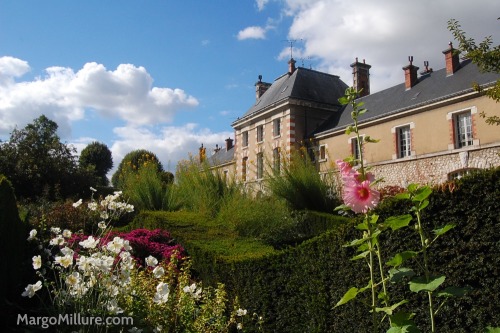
429	126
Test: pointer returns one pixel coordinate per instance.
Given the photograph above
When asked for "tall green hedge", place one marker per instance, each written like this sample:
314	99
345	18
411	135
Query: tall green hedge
295	290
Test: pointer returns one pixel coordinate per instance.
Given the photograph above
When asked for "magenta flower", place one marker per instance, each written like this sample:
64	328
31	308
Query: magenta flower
345	168
360	196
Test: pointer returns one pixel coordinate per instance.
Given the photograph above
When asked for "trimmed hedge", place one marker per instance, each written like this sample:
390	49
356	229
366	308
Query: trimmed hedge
295	289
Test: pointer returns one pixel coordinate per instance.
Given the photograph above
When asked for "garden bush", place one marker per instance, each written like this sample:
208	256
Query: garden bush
295	289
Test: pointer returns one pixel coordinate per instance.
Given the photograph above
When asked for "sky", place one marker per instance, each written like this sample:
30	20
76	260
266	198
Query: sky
168	76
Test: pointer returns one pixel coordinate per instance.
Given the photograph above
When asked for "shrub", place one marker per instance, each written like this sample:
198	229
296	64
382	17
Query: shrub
202	189
300	184
148	189
133	162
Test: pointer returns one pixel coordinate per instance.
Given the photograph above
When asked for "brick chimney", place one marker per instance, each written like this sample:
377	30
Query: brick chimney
202	153
229	144
361	77
452	60
291	66
410	74
261	87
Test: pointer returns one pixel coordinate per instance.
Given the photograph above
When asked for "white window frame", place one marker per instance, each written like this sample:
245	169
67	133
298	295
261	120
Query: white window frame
396	131
454	117
244	139
277	127
260	133
323	148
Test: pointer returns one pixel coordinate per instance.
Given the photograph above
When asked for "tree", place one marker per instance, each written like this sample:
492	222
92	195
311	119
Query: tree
131	164
96	157
485	56
37	163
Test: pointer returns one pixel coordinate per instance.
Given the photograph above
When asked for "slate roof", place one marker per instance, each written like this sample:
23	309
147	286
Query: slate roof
430	88
303	84
221	157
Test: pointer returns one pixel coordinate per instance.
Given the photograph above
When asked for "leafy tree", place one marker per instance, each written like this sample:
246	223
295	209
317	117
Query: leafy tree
96	157
131	164
485	56
38	164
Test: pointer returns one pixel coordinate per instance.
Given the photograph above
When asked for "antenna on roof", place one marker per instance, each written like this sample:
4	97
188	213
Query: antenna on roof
291	41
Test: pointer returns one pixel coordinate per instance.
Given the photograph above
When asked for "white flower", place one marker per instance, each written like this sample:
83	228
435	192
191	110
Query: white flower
89	243
32	234
67	251
37	262
78	203
115	245
84	263
161	295
158	272
65	261
73	279
241	312
58	240
55	230
93	189
66	233
113	307
151	261
31	289
158	329
239	326
193	291
92	206
102	225
104	215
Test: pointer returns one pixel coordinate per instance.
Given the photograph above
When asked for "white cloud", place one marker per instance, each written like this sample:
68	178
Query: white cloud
253	32
171	144
384	33
126	93
261	4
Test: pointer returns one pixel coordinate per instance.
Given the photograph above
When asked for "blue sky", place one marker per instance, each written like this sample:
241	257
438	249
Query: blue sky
168	76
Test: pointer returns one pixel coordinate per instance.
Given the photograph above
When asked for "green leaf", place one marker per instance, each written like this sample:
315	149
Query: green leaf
423	204
490	329
446	228
360	256
420	283
399	258
422	193
453	292
362	226
412	188
397	274
370	139
401	196
343	100
349	130
362	111
390	309
342	208
402	318
348	296
356	242
397	222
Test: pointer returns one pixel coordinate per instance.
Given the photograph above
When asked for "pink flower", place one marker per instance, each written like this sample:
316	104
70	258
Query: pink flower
360	196
345	168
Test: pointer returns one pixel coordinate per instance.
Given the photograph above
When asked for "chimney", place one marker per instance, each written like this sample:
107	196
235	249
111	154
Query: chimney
229	144
410	74
361	77
217	149
426	70
202	153
291	66
261	87
452	60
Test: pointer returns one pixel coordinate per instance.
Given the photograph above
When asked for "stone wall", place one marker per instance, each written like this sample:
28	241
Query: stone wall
435	168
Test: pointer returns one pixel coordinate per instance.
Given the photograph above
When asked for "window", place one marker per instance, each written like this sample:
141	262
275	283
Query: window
463	130
244	139
244	169
260	165
355	148
226	172
322	153
403	137
311	151
276	160
260	133
460	173
277	127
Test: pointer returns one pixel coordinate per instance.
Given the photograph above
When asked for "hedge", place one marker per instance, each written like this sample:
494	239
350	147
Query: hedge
295	289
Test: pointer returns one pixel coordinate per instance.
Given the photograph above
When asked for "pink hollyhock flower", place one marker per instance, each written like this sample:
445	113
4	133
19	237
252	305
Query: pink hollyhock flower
345	168
360	196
